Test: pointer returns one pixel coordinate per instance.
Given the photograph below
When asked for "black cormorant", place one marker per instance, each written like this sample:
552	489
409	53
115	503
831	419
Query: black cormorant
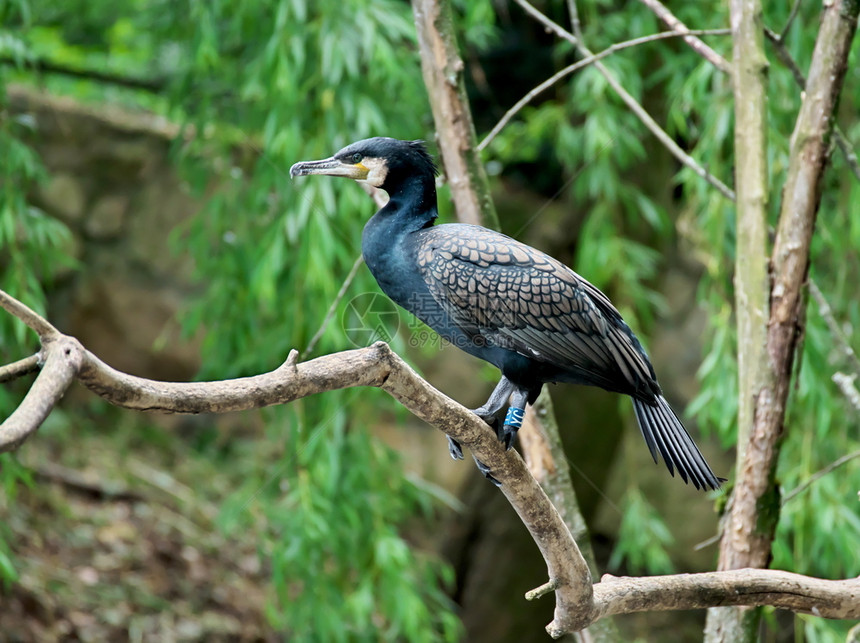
503	301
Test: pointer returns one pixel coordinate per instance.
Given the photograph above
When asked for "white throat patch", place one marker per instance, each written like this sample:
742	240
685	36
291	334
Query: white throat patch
377	171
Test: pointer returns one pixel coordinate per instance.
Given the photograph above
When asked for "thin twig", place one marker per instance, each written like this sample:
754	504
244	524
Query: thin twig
785	57
826	313
153	85
549	82
543	590
632	104
820	474
713	540
334	304
20	368
846	385
791	17
380	199
789	63
847	150
78	481
560	31
671	21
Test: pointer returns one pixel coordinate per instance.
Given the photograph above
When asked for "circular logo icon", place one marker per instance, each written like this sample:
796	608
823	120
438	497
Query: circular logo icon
370	317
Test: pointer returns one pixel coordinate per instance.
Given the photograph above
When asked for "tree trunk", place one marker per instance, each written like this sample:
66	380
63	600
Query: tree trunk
752	519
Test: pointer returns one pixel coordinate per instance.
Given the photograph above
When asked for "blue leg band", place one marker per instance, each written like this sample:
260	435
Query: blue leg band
515	417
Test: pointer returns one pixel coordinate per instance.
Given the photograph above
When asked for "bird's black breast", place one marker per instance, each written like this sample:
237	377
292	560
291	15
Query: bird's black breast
518	298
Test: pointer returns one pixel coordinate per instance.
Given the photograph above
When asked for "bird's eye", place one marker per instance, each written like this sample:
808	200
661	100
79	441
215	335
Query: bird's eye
356	158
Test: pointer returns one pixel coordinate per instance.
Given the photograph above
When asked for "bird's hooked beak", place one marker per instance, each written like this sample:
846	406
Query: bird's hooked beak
330	167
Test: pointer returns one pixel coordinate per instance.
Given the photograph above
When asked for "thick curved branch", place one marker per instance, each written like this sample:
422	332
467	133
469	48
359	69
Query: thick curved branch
63	358
374	366
578	602
826	598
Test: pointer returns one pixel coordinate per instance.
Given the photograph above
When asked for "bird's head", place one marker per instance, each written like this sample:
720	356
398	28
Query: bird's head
381	162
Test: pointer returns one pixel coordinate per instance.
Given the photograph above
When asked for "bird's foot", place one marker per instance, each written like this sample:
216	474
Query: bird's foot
487	473
488	417
513	422
454	448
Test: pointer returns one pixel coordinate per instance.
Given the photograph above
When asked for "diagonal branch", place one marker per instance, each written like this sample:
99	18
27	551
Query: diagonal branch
663	13
838	462
789	63
585	62
632	103
842	344
27	315
671	21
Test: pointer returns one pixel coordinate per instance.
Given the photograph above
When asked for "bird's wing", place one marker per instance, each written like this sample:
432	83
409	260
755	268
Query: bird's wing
506	292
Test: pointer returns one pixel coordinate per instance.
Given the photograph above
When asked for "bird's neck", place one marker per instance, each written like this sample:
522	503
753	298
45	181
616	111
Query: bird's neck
411	206
385	240
411	203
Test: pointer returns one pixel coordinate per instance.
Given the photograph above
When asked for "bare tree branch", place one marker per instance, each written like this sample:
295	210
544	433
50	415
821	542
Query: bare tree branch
751	182
347	282
27	315
473	204
846	385
632	103
20	368
789	63
782	53
791	16
543	452
751	279
827	598
669	19
585	62
374	366
838	462
833	326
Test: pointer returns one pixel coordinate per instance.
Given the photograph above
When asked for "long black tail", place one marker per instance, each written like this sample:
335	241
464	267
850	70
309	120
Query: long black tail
663	431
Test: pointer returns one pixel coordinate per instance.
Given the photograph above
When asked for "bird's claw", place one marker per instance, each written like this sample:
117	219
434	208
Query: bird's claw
487	473
489	418
513	422
455	449
507	435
